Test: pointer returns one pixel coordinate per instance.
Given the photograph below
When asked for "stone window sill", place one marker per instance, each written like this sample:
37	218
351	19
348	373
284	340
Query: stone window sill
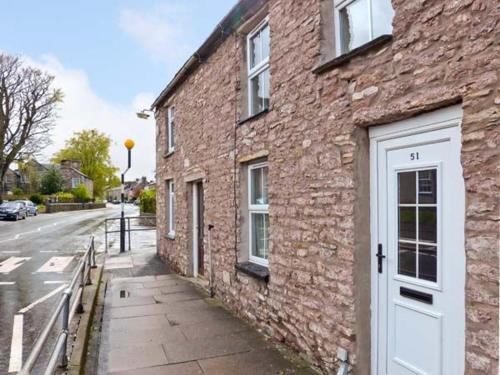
253	117
345	58
254	270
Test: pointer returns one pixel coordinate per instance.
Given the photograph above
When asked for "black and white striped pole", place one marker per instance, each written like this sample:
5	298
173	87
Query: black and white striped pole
129	144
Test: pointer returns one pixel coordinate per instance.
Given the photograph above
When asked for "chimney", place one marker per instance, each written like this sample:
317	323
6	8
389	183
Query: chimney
76	164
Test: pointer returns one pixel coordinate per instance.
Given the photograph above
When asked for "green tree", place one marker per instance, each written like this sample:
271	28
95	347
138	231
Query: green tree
33	180
91	147
52	181
81	193
148	201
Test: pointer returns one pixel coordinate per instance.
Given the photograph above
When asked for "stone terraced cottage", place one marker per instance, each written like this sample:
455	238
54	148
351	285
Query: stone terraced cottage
331	168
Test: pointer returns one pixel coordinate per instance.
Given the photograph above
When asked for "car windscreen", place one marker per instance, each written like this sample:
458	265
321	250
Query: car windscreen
10	205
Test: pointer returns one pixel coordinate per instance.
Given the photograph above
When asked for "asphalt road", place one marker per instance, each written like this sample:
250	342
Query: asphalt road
37	256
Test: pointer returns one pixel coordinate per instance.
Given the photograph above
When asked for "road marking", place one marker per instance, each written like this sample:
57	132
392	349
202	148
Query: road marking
16	345
49	282
49	251
40	300
56	264
7	282
10	251
11	264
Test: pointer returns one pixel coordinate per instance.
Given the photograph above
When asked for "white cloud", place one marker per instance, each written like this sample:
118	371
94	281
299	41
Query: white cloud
164	31
82	109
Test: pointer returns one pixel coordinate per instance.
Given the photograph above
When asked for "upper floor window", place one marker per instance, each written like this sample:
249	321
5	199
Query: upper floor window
258	47
258	210
170	129
360	21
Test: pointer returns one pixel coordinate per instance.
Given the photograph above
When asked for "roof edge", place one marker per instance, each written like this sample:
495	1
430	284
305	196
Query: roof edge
236	16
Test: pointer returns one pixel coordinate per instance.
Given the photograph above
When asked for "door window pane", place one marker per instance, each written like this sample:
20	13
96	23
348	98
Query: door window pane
406	187
260	235
407	259
354	24
407	223
427	186
427	224
427	262
417	224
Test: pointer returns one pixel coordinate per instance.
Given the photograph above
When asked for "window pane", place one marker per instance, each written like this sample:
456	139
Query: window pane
354	25
427	262
256	101
259	186
255	50
259	92
382	14
427	186
427	224
264	79
406	187
264	37
260	232
407	223
407	259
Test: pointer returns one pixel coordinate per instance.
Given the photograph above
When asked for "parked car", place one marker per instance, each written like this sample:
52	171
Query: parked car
13	210
31	208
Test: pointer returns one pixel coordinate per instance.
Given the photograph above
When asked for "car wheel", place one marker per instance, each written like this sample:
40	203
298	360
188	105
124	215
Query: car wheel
16	218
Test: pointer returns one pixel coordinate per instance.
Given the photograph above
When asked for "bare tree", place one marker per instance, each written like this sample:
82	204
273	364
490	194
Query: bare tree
27	110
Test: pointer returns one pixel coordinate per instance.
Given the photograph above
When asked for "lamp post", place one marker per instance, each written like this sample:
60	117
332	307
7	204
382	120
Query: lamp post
129	145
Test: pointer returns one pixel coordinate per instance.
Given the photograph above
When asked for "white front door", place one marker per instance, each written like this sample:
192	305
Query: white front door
418	266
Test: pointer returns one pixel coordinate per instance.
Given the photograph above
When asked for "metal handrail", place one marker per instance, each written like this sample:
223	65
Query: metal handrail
127	228
68	307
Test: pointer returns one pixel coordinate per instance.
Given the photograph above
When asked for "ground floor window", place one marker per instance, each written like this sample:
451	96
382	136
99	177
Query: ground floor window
171	208
258	210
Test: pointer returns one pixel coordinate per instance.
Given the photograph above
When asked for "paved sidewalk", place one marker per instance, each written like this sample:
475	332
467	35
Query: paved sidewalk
164	325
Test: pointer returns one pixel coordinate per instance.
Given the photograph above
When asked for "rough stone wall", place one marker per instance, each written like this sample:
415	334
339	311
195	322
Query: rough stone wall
9	181
442	52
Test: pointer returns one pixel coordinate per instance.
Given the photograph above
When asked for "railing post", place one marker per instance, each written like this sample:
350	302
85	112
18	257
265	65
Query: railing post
65	327
94	264
106	236
89	265
79	308
129	245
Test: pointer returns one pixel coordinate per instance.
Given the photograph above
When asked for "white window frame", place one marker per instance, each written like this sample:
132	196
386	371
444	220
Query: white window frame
171	208
78	182
170	129
338	5
260	67
255	208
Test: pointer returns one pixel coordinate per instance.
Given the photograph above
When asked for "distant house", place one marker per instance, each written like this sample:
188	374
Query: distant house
10	181
70	171
132	189
73	176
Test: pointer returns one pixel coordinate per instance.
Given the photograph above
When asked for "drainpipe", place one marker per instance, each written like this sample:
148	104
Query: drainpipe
210	279
344	364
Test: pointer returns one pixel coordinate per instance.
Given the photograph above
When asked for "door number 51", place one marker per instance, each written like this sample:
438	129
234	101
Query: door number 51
414	156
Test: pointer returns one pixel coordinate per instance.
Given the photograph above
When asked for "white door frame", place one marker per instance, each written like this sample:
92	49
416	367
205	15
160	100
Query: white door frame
196	221
439	119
